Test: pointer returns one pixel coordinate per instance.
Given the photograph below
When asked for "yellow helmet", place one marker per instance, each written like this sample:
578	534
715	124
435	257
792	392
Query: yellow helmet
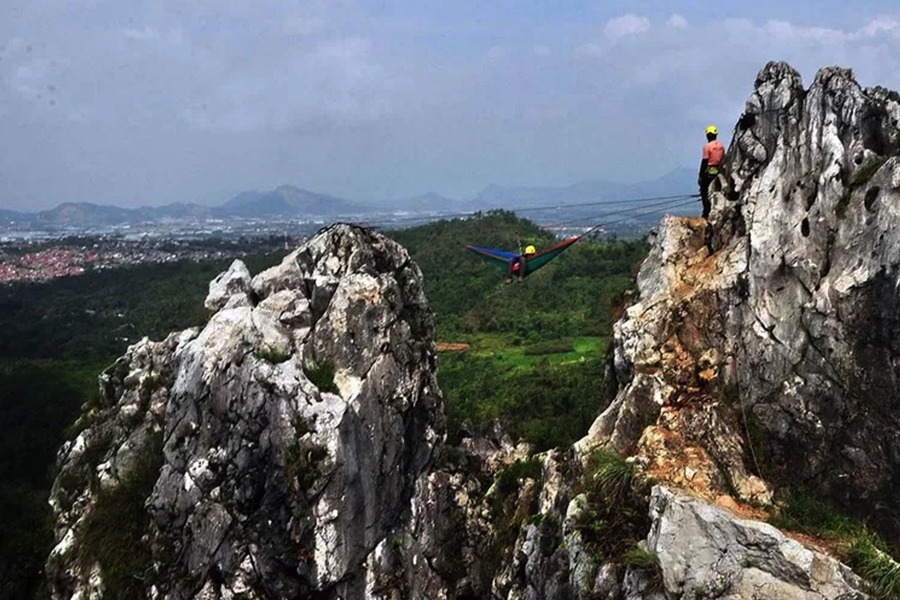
530	250
712	129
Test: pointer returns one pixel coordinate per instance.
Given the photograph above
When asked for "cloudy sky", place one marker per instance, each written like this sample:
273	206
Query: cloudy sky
157	101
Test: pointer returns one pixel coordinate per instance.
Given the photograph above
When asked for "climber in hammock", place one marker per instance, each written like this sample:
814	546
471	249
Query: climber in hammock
518	266
521	265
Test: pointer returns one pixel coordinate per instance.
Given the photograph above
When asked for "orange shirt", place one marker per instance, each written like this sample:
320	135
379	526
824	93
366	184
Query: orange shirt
713	153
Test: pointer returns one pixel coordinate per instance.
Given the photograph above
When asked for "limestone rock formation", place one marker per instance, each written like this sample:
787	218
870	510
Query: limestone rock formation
293	446
764	346
266	454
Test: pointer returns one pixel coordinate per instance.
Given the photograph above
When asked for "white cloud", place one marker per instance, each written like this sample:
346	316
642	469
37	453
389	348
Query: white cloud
182	96
172	37
30	78
589	50
882	25
680	53
496	52
147	33
673	83
625	25
677	21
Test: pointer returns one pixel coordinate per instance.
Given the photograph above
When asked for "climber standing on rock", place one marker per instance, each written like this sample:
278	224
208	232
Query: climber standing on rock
713	155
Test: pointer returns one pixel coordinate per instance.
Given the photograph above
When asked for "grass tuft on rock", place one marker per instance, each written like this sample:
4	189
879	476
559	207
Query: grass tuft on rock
864	551
321	374
643	559
613	512
875	565
302	462
614	475
272	355
805	513
508	479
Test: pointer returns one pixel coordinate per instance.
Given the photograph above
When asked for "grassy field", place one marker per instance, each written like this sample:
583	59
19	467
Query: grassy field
503	350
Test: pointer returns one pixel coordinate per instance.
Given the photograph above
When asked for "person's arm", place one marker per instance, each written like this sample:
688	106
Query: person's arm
703	164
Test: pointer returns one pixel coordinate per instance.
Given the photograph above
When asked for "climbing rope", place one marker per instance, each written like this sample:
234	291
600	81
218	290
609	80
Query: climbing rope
662	203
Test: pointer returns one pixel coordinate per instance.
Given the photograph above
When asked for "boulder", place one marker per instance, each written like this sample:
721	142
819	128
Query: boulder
704	551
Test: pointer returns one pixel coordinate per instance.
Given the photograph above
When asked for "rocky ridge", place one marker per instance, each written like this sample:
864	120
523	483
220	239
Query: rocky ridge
758	360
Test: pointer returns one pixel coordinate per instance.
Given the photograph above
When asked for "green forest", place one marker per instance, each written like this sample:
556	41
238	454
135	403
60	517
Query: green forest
534	356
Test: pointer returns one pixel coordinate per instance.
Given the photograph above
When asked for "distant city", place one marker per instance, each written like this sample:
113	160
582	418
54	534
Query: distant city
37	261
77	237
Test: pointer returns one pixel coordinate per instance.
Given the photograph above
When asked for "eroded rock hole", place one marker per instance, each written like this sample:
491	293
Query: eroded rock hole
804	227
810	200
871	197
746	121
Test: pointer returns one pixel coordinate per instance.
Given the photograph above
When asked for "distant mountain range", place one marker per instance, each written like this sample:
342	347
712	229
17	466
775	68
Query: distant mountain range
292	202
283	202
9	215
288	201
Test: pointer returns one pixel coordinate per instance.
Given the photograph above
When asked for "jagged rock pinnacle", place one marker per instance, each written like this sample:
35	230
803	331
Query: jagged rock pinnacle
273	449
764	346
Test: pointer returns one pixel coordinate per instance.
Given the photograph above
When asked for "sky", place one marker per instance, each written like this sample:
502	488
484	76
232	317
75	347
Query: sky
148	102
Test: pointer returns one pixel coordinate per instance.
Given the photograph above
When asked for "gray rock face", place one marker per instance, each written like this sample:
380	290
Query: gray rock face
705	552
273	450
818	362
699	551
784	326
